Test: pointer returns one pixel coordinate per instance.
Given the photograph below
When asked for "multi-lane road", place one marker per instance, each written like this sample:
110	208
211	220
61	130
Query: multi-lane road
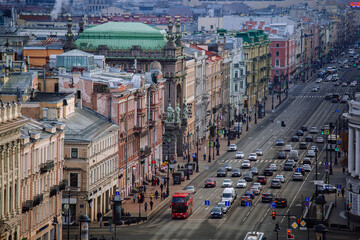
302	107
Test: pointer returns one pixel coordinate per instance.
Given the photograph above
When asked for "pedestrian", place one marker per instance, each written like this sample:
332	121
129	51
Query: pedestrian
164	195
343	170
134	197
161	187
98	215
151	196
156	194
151	205
157	181
342	192
145	206
144	189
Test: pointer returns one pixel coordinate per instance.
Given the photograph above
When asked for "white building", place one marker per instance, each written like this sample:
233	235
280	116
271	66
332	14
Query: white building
352	179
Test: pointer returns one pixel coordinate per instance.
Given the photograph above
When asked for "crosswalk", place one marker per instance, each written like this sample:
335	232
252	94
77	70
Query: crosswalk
308	96
259	161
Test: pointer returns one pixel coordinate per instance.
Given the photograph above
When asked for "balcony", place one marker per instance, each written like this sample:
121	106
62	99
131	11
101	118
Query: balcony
63	184
43	168
38	199
54	190
46	167
27	206
144	152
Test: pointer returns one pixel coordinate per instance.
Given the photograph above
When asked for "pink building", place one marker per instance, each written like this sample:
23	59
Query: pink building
283	53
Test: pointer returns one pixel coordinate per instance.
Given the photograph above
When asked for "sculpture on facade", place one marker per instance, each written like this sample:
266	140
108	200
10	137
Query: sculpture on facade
170	114
185	110
177	113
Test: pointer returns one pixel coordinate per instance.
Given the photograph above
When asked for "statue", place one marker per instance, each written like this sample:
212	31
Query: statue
185	110
170	114
177	113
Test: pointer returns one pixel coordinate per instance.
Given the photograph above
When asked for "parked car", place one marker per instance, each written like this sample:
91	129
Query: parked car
246	164
236	172
298	176
262	180
210	182
280	202
326	188
267	197
239	154
252	156
216	212
275	183
232	147
241	183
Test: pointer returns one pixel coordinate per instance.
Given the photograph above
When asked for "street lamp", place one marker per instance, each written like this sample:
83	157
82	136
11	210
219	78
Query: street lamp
229	108
197	149
54	224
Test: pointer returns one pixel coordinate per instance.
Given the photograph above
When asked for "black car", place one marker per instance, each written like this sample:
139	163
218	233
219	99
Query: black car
328	96
236	172
307	161
281	155
304	128
268	172
303	145
248	177
288	167
309	138
295	138
280	142
267	197
216	212
254	171
280	202
221	172
299	133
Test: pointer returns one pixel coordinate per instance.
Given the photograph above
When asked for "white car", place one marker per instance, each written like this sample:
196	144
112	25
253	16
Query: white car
310	153
288	148
240	154
257	184
313	130
307	167
232	147
318	80
314	89
227	183
319	139
273	167
280	177
246	164
241	183
253	157
255	190
190	189
346	66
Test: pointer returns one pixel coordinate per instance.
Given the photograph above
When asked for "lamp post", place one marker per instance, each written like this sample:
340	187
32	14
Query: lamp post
229	108
117	209
247	115
281	80
272	94
54	224
197	149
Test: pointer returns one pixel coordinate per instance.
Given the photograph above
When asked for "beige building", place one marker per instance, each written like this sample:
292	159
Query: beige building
10	152
189	93
41	175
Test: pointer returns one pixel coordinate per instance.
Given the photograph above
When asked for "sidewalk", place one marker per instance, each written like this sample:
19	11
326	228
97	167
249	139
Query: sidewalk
158	204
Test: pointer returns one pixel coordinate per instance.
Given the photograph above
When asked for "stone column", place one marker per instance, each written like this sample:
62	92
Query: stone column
2	180
357	152
351	151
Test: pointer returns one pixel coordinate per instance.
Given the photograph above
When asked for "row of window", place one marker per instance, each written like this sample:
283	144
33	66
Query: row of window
98	172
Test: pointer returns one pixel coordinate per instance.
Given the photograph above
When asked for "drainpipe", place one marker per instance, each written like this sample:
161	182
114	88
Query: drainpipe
110	102
127	140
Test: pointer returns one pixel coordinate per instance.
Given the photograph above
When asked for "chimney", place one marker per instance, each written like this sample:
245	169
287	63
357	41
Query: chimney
45	114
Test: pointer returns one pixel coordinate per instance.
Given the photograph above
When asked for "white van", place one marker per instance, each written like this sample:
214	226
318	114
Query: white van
294	155
228	194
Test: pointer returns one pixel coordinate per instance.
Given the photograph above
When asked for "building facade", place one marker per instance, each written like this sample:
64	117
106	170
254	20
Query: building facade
41	174
10	154
352	178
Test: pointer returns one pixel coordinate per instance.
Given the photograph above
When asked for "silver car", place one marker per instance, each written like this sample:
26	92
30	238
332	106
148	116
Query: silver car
310	153
239	154
241	183
223	207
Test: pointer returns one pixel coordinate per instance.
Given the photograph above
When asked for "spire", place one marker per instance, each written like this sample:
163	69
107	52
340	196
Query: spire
69	42
170	37
178	33
81	25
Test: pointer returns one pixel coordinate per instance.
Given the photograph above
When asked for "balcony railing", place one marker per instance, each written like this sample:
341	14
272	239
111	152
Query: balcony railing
54	190
48	166
38	199
63	184
145	152
27	206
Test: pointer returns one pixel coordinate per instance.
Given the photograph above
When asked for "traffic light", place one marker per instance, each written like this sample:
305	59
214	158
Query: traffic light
322	132
298	221
223	130
245	105
273	215
290	236
140	198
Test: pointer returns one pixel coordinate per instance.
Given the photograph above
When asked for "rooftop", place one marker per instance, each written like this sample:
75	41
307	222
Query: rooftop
19	80
85	125
49	97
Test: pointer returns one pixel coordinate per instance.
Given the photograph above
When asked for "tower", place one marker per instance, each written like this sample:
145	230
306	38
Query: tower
69	42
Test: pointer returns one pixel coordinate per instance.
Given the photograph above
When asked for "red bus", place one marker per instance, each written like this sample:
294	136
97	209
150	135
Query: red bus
182	205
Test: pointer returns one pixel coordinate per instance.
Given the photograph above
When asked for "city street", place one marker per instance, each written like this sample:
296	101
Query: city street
302	107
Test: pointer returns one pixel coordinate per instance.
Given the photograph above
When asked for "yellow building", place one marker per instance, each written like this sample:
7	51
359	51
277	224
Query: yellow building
257	59
10	168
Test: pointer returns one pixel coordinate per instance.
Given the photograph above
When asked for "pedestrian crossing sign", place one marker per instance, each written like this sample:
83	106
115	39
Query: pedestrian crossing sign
227	203
207	202
248	204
